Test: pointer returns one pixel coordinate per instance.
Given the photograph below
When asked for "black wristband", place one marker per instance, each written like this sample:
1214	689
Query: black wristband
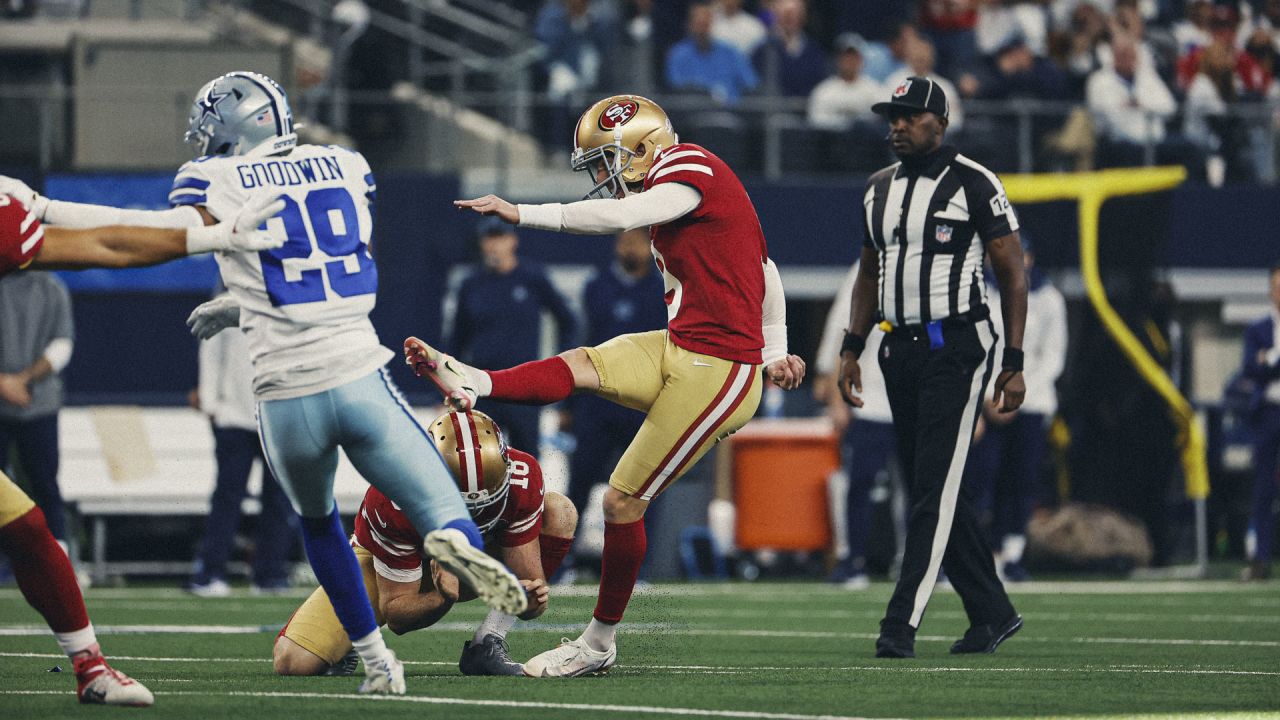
853	343
1012	360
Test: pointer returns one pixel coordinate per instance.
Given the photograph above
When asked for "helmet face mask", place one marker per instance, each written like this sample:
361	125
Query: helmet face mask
240	113
613	160
618	140
475	450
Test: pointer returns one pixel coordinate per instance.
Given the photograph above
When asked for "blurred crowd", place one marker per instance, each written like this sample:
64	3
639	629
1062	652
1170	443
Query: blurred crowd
1122	82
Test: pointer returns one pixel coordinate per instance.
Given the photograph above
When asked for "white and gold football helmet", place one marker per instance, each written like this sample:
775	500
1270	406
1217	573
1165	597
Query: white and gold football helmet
625	134
475	451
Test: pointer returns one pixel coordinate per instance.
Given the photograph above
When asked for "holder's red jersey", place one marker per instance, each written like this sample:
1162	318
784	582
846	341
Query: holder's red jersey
712	259
385	531
21	235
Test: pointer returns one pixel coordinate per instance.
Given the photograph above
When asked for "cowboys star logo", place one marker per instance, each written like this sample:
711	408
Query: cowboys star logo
902	89
619	113
209	104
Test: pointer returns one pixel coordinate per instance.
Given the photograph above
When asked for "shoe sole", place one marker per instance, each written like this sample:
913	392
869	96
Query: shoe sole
454	397
1008	633
492	581
599	671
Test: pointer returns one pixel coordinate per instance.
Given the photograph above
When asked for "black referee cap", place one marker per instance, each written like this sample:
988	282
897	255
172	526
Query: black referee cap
916	93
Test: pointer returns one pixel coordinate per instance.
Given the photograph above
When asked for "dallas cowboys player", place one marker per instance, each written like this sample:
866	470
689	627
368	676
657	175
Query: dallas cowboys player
319	376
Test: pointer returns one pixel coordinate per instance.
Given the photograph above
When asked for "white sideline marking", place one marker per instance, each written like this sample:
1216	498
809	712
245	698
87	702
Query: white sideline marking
38	630
738	669
876	614
633	709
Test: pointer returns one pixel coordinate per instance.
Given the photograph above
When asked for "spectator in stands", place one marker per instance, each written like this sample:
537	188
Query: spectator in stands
1206	120
700	62
733	25
1007	462
1079	57
867	440
1253	78
790	62
1015	72
882	60
1269	21
1000	21
36	339
1128	21
225	395
920	63
1129	104
577	37
845	99
498	321
1262	366
624	298
1192	31
951	24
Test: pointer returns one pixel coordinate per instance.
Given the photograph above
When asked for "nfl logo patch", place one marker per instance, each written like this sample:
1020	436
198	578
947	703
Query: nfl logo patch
902	89
942	234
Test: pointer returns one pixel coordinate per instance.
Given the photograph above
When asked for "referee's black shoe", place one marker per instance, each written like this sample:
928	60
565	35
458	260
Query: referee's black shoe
897	640
986	638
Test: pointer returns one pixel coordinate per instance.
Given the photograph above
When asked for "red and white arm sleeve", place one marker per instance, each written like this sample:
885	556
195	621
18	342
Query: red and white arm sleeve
656	206
773	315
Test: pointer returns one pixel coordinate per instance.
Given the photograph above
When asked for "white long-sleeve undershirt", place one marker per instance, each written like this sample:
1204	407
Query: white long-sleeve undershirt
773	315
655	206
82	215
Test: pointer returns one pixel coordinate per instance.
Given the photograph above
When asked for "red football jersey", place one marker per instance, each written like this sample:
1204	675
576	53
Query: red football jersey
712	260
385	531
21	235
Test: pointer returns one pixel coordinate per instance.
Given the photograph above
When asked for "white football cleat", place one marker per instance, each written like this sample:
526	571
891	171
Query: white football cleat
445	371
384	676
571	659
497	586
101	684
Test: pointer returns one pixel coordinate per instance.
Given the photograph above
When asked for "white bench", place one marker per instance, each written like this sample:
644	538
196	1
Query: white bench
155	461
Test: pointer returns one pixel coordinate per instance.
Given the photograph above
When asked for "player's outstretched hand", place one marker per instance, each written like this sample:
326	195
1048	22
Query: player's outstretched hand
213	317
245	233
850	379
787	373
491	205
539	594
1010	391
24	194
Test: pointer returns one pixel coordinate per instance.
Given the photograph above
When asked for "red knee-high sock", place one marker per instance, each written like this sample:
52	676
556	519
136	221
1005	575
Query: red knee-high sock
540	382
43	572
553	550
624	548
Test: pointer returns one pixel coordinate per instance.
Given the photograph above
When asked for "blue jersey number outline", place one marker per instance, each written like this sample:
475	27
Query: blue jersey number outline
310	287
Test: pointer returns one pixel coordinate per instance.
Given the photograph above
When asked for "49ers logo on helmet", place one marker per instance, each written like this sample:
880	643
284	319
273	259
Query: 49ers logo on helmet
619	113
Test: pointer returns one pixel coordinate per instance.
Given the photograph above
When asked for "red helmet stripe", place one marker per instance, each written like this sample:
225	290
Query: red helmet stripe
476	453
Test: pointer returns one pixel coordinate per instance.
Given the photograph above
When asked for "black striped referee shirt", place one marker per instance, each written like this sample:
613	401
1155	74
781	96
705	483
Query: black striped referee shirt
922	217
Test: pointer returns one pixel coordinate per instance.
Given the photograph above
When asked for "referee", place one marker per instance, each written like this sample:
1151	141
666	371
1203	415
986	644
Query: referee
930	220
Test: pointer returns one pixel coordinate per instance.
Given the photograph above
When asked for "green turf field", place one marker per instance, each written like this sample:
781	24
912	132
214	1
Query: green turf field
741	650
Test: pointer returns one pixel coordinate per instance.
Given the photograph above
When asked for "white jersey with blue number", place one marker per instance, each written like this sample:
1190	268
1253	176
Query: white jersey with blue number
304	306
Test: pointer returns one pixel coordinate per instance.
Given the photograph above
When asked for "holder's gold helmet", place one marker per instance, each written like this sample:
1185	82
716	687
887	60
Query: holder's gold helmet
625	133
474	449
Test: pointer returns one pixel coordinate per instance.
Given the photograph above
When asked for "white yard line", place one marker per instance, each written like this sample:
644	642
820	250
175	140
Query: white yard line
771	590
735	669
523	704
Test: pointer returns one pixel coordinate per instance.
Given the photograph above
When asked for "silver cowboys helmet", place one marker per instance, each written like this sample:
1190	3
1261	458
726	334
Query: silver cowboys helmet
241	113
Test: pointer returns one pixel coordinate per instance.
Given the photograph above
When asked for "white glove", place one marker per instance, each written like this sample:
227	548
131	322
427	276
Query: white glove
213	317
240	234
25	195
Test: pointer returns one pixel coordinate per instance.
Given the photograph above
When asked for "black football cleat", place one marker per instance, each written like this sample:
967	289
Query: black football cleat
986	638
897	640
344	667
490	656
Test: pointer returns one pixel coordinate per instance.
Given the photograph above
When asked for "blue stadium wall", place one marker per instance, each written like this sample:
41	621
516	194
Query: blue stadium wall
131	339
